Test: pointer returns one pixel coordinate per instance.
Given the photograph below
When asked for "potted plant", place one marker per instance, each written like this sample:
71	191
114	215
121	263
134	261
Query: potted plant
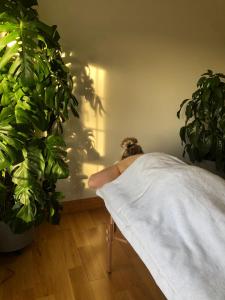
35	96
203	134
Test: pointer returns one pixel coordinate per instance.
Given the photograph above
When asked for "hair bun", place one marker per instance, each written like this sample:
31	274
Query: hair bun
128	142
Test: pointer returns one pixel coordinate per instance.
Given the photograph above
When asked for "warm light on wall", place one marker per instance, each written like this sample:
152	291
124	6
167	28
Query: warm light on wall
89	168
98	75
76	185
93	120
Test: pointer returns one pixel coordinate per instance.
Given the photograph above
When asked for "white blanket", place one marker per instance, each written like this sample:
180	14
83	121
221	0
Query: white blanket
173	215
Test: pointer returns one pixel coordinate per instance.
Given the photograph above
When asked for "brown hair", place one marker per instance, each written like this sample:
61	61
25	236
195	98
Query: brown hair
131	147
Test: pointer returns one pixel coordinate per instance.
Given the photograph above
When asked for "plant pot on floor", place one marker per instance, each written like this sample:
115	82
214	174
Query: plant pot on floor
10	241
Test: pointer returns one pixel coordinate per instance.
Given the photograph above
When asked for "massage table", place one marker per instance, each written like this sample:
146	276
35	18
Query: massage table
173	215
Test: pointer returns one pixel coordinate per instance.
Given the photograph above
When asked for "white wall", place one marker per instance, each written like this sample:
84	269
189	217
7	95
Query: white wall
151	54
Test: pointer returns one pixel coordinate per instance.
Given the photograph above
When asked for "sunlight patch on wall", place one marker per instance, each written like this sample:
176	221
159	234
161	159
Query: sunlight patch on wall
83	159
94	121
91	119
91	168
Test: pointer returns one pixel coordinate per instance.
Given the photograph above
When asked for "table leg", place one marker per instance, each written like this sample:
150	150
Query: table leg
109	239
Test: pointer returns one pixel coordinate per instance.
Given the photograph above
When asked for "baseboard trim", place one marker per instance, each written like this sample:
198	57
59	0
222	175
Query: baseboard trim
82	204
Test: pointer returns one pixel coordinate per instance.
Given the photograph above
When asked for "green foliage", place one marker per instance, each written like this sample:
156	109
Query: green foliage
35	97
204	131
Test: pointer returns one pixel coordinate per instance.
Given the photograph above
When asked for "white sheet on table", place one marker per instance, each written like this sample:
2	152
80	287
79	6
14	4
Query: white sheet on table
173	215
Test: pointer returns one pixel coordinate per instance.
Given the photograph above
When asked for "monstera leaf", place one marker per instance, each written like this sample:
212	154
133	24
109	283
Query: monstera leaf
27	112
11	144
26	177
55	156
31	168
22	52
27	198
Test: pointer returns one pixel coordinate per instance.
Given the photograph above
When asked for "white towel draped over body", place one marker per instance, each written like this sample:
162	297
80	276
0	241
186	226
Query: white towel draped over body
173	215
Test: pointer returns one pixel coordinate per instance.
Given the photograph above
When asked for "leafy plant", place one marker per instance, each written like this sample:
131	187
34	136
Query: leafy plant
204	131
35	98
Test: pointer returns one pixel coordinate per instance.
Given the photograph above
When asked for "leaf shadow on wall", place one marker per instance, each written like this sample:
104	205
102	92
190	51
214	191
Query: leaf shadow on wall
80	140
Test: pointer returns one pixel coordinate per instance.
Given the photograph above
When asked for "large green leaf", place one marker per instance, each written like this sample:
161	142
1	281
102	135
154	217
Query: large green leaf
11	143
55	156
26	176
181	106
11	37
205	143
31	168
8	27
27	112
6	17
9	53
189	110
50	97
15	66
26	213
7	114
26	194
183	134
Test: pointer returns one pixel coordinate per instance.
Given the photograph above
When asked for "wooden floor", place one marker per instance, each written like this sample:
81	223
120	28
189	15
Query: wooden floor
68	262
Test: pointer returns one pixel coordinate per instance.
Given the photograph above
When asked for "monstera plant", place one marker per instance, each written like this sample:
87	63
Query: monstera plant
204	131
35	96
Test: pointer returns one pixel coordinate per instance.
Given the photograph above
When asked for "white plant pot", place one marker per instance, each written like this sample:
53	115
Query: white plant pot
10	241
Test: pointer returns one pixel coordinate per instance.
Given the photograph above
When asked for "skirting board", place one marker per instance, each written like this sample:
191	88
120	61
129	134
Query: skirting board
82	204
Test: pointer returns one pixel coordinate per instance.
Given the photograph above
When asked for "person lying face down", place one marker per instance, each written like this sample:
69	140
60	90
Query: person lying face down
98	179
132	150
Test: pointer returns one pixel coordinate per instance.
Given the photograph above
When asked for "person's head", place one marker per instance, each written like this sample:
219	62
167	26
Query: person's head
131	147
